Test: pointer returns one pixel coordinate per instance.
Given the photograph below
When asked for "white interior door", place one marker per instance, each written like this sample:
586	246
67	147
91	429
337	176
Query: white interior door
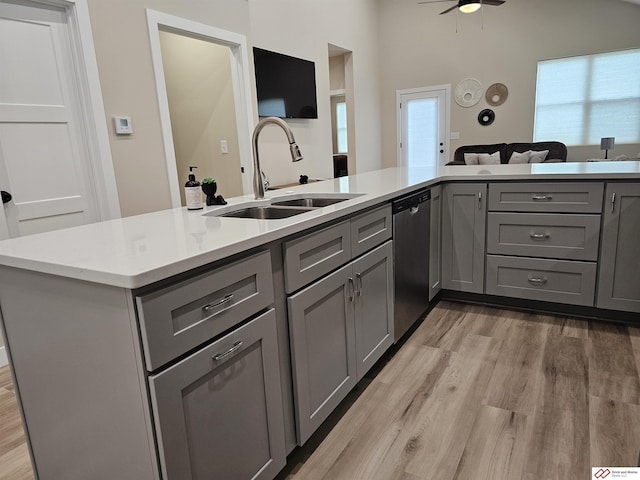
44	161
423	126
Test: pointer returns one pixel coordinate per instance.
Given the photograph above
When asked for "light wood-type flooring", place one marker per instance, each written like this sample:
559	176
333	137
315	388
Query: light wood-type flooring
476	393
479	393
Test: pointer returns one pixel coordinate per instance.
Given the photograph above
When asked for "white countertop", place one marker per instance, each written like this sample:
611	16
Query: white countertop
135	251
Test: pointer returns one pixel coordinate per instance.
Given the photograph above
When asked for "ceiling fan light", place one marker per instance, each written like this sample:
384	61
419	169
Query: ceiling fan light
468	6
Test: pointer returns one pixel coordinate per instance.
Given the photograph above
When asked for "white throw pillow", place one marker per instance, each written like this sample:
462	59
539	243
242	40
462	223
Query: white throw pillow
538	157
471	159
486	159
517	157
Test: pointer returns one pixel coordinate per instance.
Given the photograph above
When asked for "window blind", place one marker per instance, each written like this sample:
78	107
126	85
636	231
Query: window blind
581	99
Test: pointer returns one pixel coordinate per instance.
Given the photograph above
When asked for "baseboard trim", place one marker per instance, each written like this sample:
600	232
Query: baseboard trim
3	357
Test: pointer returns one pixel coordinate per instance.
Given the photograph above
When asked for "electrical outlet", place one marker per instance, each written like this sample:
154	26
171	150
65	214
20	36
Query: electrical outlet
224	148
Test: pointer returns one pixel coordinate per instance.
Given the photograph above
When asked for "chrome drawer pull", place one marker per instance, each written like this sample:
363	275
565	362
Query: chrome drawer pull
351	289
234	347
537	280
538	236
210	306
479	200
359	284
613	202
541	197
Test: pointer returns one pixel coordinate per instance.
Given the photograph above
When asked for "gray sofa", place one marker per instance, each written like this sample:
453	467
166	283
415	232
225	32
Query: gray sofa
557	151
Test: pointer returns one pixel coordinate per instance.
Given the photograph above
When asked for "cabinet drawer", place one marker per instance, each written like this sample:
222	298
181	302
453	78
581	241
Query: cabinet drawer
572	237
546	197
180	317
314	255
370	229
537	279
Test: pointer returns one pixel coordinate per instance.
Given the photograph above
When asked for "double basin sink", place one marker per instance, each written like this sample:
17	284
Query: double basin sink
283	207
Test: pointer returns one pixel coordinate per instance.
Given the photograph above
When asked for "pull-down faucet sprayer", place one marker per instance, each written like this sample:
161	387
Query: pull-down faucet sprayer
296	156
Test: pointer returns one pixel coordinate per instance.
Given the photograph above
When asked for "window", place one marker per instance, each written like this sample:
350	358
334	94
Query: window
341	126
581	99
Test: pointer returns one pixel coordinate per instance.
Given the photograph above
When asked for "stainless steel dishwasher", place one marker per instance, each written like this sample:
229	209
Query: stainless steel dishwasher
411	218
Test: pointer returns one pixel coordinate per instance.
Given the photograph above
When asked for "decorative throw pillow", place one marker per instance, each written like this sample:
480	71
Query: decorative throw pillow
538	156
471	159
517	157
486	159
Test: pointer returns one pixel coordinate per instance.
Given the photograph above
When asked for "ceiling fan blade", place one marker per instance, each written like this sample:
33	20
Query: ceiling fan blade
449	9
493	2
434	1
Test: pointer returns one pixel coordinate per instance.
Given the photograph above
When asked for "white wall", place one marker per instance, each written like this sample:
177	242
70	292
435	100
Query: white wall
304	28
421	48
301	28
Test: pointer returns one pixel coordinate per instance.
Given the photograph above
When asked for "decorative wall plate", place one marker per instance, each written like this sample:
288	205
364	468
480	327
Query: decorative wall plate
468	92
486	117
496	94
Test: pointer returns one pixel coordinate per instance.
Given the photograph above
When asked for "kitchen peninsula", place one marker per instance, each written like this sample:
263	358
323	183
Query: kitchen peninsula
120	331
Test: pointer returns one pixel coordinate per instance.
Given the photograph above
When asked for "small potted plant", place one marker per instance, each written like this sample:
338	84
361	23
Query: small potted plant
209	187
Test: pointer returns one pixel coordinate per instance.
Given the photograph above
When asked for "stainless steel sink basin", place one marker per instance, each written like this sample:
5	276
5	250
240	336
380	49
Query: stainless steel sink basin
267	213
310	202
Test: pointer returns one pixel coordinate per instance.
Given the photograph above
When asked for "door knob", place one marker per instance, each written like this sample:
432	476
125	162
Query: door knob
6	196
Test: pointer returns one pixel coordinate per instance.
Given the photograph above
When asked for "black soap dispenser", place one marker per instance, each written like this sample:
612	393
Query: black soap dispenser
193	192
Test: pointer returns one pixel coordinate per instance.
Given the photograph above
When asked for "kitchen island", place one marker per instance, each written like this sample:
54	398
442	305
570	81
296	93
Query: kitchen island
106	350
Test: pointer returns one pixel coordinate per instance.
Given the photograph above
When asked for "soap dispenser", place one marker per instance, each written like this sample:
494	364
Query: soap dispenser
193	192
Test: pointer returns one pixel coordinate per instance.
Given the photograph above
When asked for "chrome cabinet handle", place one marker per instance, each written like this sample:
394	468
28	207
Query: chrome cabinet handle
234	347
212	306
359	284
537	280
541	197
613	202
351	289
479	200
538	236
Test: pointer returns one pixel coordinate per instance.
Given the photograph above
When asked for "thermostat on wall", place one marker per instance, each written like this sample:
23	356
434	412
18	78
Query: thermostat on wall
123	125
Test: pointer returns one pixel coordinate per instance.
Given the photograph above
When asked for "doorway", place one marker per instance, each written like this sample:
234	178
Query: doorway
203	92
55	164
423	126
342	110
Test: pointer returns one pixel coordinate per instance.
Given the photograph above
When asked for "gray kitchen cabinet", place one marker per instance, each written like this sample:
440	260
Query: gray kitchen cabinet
463	236
435	242
218	412
619	277
339	327
323	348
560	281
373	277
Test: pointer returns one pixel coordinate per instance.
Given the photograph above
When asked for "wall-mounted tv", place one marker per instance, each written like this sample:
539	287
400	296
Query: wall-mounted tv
286	86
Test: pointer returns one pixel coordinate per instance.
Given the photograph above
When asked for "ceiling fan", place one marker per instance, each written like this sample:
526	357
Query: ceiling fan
467	6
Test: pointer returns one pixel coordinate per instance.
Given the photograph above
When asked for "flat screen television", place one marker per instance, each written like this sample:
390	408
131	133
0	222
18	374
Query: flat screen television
286	86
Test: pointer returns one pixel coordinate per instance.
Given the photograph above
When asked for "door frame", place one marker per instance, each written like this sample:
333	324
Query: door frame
241	89
93	123
447	113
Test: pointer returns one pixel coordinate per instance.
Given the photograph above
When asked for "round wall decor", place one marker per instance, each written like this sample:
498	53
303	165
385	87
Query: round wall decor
468	92
486	117
496	94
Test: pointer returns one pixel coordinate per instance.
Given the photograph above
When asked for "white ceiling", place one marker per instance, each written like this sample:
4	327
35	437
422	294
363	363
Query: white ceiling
637	2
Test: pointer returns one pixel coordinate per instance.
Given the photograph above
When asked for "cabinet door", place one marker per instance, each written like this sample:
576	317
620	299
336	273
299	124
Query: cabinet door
435	242
463	237
322	347
373	275
218	412
619	281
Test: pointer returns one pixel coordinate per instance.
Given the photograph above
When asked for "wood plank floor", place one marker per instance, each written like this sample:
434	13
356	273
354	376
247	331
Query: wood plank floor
479	393
475	393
